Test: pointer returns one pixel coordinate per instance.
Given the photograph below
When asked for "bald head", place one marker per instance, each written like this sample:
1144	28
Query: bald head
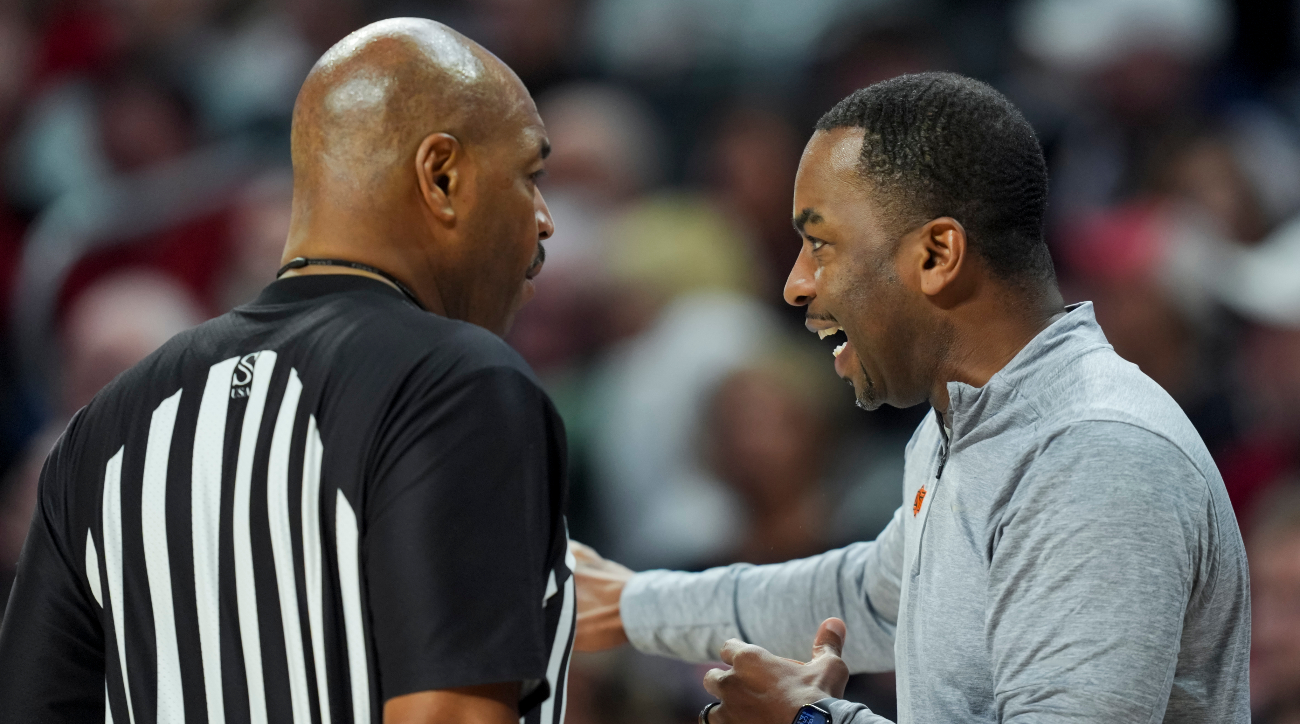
417	152
372	98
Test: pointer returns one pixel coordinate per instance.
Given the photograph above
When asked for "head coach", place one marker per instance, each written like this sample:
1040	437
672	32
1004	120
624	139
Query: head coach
342	502
1065	552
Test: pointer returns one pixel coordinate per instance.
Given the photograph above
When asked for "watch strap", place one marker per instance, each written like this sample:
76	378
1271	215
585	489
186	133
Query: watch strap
812	714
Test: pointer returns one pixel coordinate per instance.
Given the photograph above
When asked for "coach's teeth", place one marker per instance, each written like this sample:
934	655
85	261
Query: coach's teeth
839	349
824	333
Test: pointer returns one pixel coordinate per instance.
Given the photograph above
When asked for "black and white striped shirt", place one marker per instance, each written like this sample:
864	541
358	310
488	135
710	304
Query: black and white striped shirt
292	513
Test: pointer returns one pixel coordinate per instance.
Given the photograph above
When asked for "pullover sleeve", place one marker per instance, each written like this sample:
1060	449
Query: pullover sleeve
1090	575
848	712
779	607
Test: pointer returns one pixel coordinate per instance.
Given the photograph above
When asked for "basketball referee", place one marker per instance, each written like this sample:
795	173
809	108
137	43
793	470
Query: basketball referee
343	501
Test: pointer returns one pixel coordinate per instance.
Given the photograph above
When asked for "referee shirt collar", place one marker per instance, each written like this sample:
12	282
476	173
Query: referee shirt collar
313	286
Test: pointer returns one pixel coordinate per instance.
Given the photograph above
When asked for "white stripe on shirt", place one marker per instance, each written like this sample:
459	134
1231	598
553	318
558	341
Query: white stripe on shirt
113	564
245	584
348	540
312	453
205	518
277	507
153	524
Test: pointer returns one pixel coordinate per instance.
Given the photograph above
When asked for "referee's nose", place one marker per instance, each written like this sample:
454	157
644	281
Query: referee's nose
545	226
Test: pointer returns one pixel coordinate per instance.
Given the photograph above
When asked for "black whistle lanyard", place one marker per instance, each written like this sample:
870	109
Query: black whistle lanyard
302	261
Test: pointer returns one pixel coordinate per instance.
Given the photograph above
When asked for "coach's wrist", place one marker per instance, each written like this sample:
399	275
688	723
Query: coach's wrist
599	584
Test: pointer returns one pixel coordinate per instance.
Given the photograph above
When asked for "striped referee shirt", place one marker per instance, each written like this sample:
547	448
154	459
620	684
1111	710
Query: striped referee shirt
293	513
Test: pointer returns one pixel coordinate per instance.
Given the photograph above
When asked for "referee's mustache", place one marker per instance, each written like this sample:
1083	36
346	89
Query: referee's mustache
536	267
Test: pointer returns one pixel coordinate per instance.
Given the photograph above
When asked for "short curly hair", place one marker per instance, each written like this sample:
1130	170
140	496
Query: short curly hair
941	144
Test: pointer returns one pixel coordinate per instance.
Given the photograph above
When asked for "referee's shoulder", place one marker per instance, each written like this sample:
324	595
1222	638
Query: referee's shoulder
461	348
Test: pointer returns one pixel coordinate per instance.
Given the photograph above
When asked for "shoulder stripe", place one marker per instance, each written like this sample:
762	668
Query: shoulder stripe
153	517
347	539
205	512
113	564
311	558
245	586
277	506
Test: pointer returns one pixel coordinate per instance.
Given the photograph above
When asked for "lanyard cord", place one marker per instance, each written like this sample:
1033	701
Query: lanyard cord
303	261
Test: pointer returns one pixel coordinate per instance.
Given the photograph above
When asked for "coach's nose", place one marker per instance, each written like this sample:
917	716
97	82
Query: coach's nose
799	291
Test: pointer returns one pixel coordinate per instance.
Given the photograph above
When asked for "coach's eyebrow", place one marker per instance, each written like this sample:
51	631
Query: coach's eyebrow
546	149
807	216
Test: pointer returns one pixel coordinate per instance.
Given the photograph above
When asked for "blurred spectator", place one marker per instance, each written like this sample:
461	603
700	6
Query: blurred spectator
652	486
855	55
246	74
75	37
657	38
15	66
1102	35
1268	380
259	228
322	23
1133	68
766	435
535	37
749	167
109	327
1273	547
56	146
607	143
608	150
116	322
143	121
1260	283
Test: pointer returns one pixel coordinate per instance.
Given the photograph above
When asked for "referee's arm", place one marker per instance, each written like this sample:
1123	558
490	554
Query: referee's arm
483	704
51	641
456	552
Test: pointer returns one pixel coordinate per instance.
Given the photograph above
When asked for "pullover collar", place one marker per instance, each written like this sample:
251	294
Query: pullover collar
1026	379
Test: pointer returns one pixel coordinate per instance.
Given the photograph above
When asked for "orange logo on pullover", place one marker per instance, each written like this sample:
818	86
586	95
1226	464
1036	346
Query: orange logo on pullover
920	498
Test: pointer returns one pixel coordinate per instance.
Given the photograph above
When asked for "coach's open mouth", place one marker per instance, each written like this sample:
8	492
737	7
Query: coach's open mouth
826	327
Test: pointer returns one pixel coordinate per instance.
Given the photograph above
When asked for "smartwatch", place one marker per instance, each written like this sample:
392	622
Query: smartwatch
812	714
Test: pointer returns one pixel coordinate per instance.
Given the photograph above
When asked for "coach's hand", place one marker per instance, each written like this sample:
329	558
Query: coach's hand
762	688
599	583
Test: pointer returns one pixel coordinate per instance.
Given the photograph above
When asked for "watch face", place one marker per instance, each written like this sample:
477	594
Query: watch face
811	715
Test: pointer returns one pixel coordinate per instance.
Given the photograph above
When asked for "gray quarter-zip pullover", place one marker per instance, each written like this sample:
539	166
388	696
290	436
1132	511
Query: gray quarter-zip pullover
1073	558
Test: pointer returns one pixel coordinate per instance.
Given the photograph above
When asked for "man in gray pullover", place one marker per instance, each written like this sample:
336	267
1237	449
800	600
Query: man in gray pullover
1066	551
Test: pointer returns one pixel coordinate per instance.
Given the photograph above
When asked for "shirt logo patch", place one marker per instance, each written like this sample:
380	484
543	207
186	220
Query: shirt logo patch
920	498
242	382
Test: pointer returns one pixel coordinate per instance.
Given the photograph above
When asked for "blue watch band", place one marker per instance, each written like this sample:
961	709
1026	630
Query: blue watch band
812	714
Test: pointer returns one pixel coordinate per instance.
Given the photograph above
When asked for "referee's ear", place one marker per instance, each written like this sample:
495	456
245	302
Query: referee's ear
437	164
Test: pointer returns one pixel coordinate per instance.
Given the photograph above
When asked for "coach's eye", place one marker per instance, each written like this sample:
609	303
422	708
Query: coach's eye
816	244
537	175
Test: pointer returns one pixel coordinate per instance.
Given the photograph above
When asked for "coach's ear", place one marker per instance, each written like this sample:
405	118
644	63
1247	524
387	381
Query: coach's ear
940	259
438	167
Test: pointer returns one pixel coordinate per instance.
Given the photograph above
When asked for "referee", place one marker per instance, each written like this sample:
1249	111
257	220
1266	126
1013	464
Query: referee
344	501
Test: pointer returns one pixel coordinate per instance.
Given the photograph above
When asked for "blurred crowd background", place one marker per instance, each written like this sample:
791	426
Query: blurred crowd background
145	185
